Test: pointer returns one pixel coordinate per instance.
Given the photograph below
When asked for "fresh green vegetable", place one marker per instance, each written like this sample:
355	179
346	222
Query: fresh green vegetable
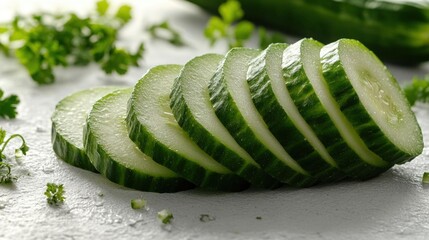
138	203
165	216
267	87
115	156
68	120
232	101
371	101
190	103
44	41
230	27
417	90
152	126
305	83
8	105
165	32
305	113
394	29
55	193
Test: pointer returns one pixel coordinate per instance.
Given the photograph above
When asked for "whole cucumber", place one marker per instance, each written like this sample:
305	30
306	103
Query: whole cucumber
396	30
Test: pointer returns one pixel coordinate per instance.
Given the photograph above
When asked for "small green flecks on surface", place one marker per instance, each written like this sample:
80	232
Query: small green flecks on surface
165	216
206	218
425	178
138	203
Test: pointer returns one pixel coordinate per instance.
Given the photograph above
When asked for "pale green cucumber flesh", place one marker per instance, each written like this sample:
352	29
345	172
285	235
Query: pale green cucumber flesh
231	99
274	103
306	85
372	101
116	157
191	106
68	121
154	129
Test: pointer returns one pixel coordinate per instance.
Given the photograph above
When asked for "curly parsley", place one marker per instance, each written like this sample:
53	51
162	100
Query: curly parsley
417	90
55	193
42	42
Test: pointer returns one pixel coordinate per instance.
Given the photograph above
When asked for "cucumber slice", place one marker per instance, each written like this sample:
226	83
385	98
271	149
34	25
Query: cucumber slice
191	106
154	129
68	120
371	100
305	83
232	101
267	87
115	156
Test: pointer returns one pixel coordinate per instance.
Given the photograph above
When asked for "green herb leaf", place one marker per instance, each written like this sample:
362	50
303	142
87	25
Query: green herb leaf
231	11
243	31
164	31
124	13
24	148
417	90
102	7
48	40
4	29
236	32
165	216
425	178
216	29
138	203
54	193
5	173
2	135
8	105
21	150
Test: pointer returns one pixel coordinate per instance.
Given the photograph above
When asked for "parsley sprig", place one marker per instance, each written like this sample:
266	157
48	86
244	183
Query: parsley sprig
44	41
418	90
164	31
5	173
229	26
5	168
55	193
8	105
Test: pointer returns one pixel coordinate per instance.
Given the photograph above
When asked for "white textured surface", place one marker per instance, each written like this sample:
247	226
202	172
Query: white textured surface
392	206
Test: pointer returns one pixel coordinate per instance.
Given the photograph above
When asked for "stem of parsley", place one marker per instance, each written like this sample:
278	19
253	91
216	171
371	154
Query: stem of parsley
24	148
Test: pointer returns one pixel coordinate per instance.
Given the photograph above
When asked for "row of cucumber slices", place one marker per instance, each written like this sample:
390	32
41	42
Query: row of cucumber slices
297	114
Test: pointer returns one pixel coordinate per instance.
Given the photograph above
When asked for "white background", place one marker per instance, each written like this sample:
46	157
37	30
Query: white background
392	206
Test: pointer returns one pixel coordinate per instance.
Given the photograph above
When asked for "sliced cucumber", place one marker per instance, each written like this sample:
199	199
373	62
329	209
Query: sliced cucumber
152	126
304	81
68	120
191	106
232	101
116	157
267	87
371	100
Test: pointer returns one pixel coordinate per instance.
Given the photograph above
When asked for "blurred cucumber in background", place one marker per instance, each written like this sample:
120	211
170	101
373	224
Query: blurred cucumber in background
396	30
